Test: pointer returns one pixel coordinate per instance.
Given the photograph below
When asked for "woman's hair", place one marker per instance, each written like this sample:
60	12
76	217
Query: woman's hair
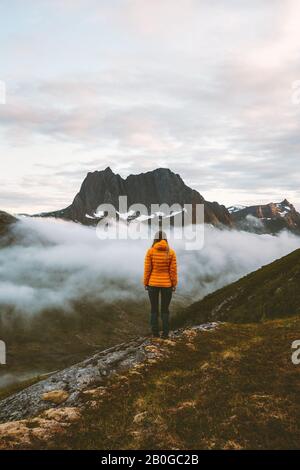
160	235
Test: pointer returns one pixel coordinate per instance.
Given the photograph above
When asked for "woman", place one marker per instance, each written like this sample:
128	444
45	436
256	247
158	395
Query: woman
160	277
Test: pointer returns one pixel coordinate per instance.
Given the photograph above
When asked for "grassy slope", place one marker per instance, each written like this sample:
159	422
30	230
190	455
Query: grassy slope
231	388
271	292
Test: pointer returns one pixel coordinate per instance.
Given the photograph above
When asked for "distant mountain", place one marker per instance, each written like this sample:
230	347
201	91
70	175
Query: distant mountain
268	218
268	293
6	222
162	186
154	187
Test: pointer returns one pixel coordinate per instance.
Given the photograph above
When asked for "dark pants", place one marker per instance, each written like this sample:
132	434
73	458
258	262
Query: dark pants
166	296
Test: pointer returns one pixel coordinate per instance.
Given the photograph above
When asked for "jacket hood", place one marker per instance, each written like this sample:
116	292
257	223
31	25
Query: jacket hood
162	245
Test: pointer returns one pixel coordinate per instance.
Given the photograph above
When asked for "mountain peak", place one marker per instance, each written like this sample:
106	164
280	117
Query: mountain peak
108	170
159	186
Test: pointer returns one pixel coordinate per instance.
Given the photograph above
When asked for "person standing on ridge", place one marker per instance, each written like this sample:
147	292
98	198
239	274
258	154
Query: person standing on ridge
160	277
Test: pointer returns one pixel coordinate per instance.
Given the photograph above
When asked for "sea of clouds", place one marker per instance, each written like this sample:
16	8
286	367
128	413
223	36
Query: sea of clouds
54	263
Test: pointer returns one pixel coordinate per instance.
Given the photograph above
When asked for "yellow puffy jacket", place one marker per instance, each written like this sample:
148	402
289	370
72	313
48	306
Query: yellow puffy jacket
160	266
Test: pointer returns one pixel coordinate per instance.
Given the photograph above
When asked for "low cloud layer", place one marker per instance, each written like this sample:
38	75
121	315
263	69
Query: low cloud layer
56	263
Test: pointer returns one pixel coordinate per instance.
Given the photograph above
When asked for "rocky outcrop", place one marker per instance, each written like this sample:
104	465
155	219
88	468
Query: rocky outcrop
268	218
70	387
160	186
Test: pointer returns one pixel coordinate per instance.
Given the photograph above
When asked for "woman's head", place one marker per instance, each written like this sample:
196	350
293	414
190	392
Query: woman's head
160	235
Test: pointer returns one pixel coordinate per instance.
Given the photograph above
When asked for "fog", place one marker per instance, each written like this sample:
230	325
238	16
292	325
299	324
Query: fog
54	263
9	379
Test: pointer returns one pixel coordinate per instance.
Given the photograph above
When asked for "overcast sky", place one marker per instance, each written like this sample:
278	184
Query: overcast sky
208	88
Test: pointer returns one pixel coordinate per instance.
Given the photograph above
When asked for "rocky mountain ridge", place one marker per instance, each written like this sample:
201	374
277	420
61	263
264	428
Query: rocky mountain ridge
160	186
266	218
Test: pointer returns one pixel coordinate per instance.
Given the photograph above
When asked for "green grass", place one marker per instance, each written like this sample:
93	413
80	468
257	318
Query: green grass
232	388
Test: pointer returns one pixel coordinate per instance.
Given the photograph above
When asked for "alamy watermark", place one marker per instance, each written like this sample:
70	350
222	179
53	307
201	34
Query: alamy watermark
2	92
296	353
2	353
179	222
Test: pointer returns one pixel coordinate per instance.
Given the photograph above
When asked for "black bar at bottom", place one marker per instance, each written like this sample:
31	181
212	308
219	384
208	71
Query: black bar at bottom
137	459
